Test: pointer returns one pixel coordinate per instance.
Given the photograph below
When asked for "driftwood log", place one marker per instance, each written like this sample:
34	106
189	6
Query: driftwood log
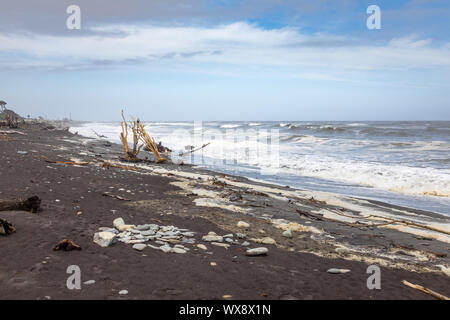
32	204
6	228
426	290
66	245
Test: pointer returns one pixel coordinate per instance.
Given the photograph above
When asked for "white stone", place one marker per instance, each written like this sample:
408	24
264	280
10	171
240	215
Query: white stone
243	224
337	271
89	282
178	250
123	292
118	223
268	240
287	233
224	245
202	246
257	251
139	246
212	238
104	239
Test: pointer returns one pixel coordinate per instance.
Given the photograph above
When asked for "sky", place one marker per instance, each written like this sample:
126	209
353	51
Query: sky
260	60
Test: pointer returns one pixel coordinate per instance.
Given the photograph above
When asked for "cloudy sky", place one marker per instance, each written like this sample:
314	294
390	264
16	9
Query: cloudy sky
227	59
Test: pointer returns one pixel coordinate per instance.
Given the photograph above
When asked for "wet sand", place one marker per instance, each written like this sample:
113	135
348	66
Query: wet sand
201	201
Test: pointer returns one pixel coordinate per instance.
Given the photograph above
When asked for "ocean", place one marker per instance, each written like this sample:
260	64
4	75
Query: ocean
401	163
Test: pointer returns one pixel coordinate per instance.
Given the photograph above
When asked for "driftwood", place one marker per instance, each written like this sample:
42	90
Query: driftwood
73	163
150	143
6	228
66	245
108	165
32	204
99	135
131	155
193	150
308	215
426	290
115	196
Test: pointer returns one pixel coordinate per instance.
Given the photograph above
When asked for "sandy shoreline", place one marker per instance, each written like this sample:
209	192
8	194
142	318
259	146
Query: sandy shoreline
329	231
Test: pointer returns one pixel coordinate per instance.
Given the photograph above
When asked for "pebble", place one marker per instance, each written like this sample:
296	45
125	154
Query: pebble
118	223
257	251
123	292
202	246
165	248
228	240
212	238
243	224
224	245
126	227
287	233
245	243
213	264
104	239
241	235
268	240
342	250
188	234
337	271
107	229
143	227
139	246
89	282
230	235
134	241
178	250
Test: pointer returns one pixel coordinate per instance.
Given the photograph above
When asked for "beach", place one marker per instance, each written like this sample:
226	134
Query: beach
328	231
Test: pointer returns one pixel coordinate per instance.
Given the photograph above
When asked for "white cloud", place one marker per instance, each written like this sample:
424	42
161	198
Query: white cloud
237	44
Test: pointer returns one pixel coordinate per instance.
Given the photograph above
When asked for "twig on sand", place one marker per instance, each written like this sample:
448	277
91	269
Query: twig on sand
308	215
99	135
114	196
73	163
108	165
12	132
193	150
426	290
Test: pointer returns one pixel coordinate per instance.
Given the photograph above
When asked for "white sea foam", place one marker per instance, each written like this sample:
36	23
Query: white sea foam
230	126
326	158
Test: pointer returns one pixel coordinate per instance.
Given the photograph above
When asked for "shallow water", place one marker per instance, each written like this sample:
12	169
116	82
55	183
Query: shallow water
402	163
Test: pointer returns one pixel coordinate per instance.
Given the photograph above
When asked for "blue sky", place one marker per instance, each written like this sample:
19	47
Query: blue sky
227	60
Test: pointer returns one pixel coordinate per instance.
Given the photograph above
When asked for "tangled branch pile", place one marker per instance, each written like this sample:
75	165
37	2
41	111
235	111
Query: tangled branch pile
139	135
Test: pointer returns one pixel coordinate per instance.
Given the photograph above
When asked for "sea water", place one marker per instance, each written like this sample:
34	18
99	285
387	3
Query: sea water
401	163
